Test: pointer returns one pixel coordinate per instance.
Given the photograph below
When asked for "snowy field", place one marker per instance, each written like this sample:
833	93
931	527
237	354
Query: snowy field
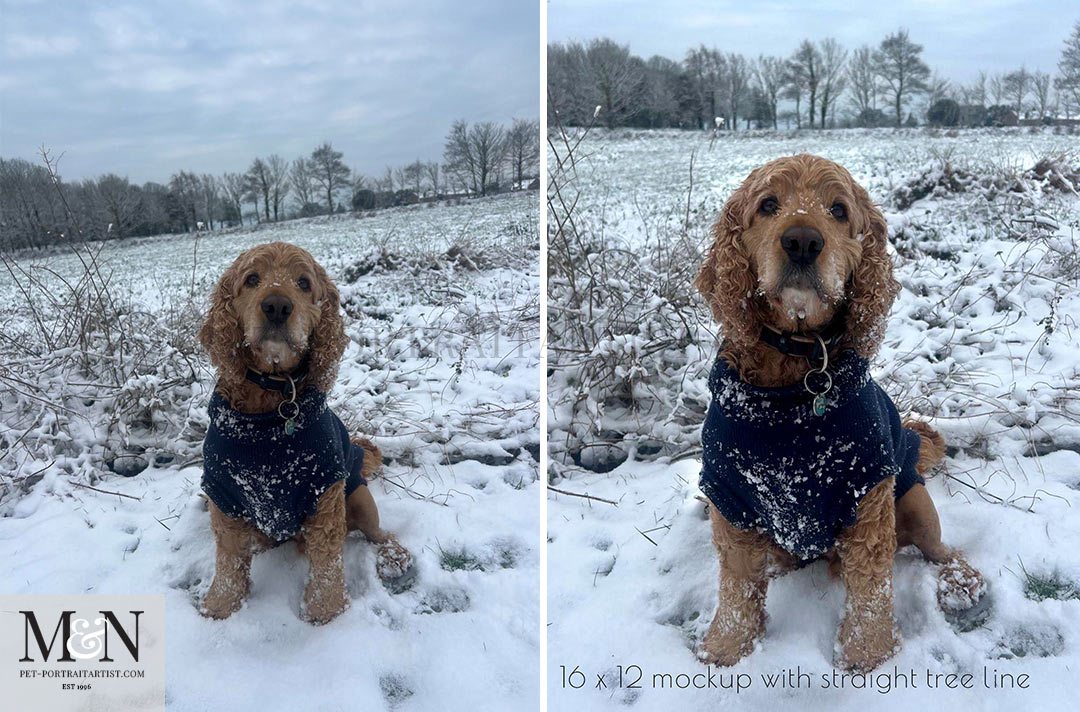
983	342
442	372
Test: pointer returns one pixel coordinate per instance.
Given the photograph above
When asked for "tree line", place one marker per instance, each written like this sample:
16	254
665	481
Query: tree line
820	84
38	208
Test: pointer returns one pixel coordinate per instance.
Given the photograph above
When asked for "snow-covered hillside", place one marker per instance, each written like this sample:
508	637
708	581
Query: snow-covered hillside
982	342
442	372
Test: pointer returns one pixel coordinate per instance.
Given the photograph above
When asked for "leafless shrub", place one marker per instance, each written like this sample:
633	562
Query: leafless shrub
87	372
625	331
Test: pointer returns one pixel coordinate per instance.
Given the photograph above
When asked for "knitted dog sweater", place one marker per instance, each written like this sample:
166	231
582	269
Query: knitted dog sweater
254	470
770	463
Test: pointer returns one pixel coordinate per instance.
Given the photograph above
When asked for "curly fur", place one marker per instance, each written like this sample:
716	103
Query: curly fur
229	346
234	335
730	284
735	281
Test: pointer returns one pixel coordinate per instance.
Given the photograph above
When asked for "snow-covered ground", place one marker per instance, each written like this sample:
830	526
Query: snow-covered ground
982	342
442	372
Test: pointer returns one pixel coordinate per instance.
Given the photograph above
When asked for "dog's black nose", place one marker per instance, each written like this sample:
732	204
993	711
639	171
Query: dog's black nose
802	244
277	308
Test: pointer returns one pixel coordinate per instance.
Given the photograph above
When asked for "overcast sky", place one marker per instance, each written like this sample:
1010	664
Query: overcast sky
147	88
959	37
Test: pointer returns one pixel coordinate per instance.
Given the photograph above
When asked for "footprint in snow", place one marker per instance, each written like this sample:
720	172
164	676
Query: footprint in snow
447	599
395	689
1038	640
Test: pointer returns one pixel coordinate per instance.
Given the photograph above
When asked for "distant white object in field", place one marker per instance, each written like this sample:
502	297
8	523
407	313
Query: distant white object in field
596	112
719	122
199	226
108	229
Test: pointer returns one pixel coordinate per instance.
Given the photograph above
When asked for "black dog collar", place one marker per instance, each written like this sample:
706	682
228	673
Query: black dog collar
271	382
805	345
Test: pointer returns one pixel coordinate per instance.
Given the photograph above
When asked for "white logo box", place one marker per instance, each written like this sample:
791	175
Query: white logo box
80	652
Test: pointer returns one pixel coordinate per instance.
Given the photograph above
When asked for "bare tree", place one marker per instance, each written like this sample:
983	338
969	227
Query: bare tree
937	89
185	186
414	176
1016	86
658	100
700	94
1068	83
975	93
278	172
234	188
863	81
795	87
807	59
615	79
329	171
1040	84
523	149
258	176
431	168
898	63
769	72
997	89
473	154
121	203
211	197
832	80
303	183
737	85
488	140
570	98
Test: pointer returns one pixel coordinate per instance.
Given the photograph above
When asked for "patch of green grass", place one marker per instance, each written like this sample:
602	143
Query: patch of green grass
1039	587
459	560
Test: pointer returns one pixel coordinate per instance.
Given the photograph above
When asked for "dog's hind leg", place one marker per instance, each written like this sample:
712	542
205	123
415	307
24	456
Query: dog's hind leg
868	636
237	541
392	560
740	614
960	585
324	538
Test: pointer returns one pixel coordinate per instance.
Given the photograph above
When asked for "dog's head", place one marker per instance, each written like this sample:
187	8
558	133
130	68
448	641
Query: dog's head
273	307
794	244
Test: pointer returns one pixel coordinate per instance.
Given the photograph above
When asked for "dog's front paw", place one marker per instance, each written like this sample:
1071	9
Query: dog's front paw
727	641
223	599
323	603
392	561
960	586
865	643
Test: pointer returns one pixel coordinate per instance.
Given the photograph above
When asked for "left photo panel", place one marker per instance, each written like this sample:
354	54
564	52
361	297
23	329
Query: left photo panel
270	356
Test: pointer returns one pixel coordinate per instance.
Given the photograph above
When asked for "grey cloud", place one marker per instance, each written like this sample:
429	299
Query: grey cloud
147	89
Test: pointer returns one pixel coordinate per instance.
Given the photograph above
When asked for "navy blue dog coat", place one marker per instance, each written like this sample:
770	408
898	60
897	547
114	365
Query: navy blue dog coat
254	470
771	464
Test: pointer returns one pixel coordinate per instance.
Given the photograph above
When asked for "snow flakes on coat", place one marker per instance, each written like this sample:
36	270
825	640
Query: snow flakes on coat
254	470
771	464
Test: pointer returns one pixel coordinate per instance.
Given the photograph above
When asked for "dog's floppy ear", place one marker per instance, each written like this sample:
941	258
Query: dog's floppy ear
872	289
329	340
221	334
726	279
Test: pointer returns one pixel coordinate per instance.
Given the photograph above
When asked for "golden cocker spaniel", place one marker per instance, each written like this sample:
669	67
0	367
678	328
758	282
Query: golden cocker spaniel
805	456
278	464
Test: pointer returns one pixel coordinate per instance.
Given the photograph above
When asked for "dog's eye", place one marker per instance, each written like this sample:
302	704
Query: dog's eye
769	206
252	280
304	284
838	211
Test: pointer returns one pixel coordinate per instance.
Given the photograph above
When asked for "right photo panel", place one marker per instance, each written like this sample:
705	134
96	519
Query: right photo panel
813	367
